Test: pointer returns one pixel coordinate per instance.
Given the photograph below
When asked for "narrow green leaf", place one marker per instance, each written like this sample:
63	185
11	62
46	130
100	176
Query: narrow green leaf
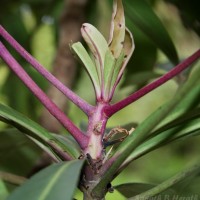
84	57
186	103
109	67
189	102
124	57
142	15
132	189
98	46
13	149
3	190
190	129
117	67
117	32
34	130
182	120
192	171
57	181
128	48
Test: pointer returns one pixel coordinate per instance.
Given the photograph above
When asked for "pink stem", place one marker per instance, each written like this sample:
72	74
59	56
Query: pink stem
44	99
83	105
110	110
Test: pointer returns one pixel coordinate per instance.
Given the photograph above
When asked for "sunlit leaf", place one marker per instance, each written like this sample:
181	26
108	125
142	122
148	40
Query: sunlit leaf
109	67
57	181
97	44
116	72
84	57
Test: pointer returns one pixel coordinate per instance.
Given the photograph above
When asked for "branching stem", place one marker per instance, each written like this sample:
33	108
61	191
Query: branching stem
83	105
110	110
44	99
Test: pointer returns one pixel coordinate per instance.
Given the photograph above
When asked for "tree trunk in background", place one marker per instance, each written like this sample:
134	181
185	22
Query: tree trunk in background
64	66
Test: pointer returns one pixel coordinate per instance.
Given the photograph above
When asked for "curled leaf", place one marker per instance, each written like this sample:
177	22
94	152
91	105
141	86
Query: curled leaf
117	31
123	59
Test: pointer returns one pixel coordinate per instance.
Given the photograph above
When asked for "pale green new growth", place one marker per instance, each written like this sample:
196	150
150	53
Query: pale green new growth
117	32
88	64
108	59
97	44
108	72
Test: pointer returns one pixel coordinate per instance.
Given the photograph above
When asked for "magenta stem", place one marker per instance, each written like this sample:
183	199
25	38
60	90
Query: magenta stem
110	110
83	105
44	99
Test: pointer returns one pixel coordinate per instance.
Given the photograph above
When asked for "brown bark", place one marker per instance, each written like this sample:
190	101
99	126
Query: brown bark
64	66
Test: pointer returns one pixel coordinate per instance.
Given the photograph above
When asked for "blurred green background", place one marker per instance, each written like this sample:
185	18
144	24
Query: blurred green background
35	25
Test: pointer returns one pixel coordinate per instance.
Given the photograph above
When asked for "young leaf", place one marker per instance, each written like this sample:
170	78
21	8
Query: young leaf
98	46
84	57
117	32
109	68
57	181
128	48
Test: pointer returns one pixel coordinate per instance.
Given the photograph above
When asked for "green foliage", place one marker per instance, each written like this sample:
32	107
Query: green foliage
15	147
57	181
141	14
38	134
177	119
3	190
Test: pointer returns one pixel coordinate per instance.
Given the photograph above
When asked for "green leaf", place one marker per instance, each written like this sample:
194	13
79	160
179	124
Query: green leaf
97	44
46	140
142	15
164	136
192	171
182	121
84	57
131	189
128	48
15	147
109	68
3	190
117	31
189	102
190	129
57	181
117	68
